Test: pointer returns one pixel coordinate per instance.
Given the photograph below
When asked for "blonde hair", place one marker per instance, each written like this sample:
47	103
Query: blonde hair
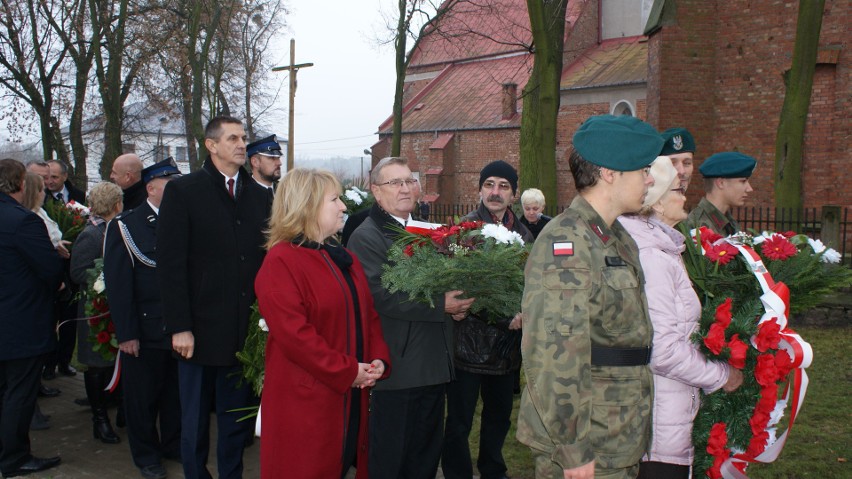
33	191
104	197
532	195
297	203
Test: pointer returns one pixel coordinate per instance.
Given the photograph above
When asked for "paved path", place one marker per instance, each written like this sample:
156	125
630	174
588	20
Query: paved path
70	436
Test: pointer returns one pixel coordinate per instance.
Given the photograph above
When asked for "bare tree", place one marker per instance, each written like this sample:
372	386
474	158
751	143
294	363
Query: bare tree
31	65
789	142
541	97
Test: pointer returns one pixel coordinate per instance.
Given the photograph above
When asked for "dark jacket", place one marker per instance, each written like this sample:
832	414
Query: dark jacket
209	248
535	228
135	195
486	345
88	247
131	281
419	336
30	274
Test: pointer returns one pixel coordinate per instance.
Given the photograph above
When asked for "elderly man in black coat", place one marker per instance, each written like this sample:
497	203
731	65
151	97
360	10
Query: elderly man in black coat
209	249
30	272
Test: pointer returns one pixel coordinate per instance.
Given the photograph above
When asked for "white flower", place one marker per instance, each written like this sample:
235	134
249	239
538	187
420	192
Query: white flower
354	195
501	234
816	245
777	413
763	237
830	255
99	285
78	208
262	325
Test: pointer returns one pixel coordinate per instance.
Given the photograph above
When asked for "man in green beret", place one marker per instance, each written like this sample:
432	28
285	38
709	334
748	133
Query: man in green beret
585	410
726	186
680	147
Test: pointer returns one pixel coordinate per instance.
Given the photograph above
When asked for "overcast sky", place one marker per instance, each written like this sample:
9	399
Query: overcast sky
342	99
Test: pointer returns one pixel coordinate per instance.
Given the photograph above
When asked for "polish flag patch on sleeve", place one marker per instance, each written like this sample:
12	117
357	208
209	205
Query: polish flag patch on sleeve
564	248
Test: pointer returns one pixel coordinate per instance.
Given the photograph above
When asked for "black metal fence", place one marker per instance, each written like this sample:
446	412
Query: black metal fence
829	223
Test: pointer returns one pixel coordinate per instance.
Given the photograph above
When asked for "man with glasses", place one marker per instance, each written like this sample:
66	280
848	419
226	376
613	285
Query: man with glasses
407	409
487	352
586	408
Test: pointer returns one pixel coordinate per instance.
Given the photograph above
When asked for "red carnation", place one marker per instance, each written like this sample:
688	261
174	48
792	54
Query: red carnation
409	250
778	247
765	371
715	339
714	472
103	337
723	313
757	444
738	352
758	421
768	335
470	225
718	440
768	398
722	253
789	234
783	363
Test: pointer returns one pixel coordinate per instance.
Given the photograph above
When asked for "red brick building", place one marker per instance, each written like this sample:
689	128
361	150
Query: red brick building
713	66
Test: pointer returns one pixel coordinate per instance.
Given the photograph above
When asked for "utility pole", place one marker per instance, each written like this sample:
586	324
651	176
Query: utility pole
293	69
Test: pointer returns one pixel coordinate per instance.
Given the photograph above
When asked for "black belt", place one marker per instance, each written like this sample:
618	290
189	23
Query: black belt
602	356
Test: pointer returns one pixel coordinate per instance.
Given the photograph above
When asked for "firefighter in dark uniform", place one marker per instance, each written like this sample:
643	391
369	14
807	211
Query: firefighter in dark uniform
149	370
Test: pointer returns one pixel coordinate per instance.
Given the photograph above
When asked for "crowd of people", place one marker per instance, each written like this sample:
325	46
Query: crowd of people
357	375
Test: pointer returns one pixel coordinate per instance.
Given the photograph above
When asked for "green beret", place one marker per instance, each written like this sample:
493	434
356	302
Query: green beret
620	143
728	164
678	140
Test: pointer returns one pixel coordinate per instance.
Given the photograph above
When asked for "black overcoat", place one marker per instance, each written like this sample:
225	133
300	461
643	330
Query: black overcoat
209	249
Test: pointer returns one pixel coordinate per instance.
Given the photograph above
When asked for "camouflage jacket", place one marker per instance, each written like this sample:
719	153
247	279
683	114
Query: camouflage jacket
705	214
584	285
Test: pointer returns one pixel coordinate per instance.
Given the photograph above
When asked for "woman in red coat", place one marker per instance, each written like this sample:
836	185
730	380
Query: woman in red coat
325	347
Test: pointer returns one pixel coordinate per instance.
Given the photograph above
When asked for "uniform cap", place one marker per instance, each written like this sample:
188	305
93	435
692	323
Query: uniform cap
265	146
728	164
678	140
165	168
620	143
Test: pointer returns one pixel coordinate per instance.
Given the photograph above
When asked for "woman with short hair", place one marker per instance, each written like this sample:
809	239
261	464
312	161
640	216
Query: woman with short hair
532	201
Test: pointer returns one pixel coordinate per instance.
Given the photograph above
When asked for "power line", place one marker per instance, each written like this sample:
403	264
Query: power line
336	139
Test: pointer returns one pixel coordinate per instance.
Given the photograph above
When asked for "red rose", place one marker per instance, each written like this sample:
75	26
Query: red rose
103	337
100	304
94	322
110	327
778	247
708	235
765	371
469	225
715	339
722	253
409	250
783	363
768	335
723	313
738	352
789	234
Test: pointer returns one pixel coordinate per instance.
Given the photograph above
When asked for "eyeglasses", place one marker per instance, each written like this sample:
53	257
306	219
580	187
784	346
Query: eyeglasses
397	183
503	185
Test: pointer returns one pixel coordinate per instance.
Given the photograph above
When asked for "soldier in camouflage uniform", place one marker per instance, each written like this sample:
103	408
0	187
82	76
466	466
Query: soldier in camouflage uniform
585	411
726	185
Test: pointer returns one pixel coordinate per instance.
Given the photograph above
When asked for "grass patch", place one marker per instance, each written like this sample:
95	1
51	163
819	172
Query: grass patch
820	444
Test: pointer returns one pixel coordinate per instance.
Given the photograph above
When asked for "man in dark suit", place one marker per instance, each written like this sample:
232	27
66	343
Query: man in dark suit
30	272
127	173
59	188
209	249
149	370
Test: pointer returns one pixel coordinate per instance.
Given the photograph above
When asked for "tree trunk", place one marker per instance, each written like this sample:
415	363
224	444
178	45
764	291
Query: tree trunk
541	99
789	143
399	57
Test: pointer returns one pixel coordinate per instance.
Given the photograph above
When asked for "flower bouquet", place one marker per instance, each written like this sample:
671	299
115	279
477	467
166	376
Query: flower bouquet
253	354
70	217
485	261
101	327
748	286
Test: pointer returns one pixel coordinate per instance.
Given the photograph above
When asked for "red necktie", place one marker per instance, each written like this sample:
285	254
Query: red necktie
231	187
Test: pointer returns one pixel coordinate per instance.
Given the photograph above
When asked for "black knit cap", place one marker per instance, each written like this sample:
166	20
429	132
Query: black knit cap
500	169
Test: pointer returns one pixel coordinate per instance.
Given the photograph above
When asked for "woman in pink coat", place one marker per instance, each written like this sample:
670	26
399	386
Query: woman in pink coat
325	347
679	368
